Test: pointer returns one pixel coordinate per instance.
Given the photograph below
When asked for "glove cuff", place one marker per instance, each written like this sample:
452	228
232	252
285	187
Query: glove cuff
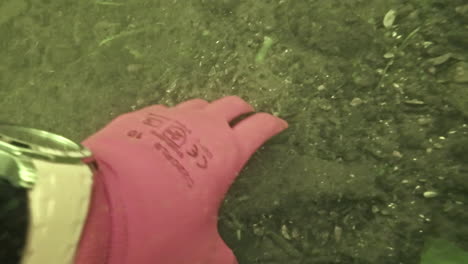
94	246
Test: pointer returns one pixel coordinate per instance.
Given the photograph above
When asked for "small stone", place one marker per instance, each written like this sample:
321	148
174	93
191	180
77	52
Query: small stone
258	231
324	105
430	194
427	44
375	209
414	15
414	102
385	212
338	231
295	233
389	55
423	121
134	68
285	232
397	154
140	101
438	145
389	18
321	87
356	101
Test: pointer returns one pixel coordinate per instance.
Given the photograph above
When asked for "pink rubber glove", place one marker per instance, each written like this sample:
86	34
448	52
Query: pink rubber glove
163	174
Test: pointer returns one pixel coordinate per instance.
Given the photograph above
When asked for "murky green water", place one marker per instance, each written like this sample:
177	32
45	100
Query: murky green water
374	164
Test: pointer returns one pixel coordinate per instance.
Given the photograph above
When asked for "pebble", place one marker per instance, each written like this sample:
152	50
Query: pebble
423	121
295	233
389	55
385	212
414	102
134	68
285	232
337	233
397	154
356	101
257	230
375	209
324	105
389	18
430	194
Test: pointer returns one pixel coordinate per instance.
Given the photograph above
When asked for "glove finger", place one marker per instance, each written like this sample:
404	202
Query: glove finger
229	107
255	130
192	104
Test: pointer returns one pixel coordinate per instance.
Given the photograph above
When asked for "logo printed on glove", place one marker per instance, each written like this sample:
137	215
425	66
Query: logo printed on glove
173	136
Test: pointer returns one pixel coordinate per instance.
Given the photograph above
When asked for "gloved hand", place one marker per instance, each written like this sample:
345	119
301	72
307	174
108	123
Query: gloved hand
163	174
